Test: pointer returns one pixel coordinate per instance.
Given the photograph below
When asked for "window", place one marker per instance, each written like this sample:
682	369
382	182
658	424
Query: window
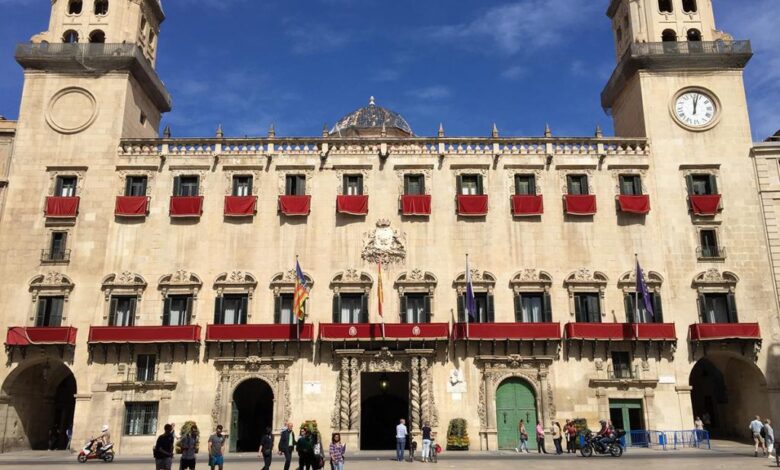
533	307
619	35
177	310
587	308
49	311
122	311
665	6
97	37
295	185
702	185
101	7
142	119
283	310
353	185
144	370
185	186
231	309
525	185
415	308
70	37
242	185
141	418
59	241
718	308
708	239
630	185
350	308
65	186
694	35
143	25
135	186
470	185
621	365
689	6
668	36
485	307
74	7
643	316
151	38
414	185
577	185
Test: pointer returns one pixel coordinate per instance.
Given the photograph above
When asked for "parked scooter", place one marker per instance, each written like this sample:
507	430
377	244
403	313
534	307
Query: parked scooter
612	446
104	453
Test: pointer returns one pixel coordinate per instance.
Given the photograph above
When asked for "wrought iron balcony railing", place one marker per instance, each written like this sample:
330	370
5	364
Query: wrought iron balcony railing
711	252
55	256
672	48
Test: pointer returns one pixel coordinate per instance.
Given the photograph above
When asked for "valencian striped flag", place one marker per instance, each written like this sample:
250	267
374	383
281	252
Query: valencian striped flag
300	295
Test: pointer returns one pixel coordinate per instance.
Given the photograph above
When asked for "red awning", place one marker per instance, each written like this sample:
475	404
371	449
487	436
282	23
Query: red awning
295	205
131	206
416	204
600	331
393	331
507	331
472	205
352	205
721	331
240	206
526	206
655	332
240	333
34	336
186	206
634	204
705	205
144	334
62	207
580	204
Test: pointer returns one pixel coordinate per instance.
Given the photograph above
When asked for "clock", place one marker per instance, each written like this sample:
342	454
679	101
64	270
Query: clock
696	109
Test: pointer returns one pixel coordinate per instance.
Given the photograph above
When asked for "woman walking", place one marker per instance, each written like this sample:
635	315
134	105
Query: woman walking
523	442
426	442
336	452
540	439
557	434
305	450
267	448
570	432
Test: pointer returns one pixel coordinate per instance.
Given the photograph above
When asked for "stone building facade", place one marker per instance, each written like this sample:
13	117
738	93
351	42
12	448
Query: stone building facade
149	279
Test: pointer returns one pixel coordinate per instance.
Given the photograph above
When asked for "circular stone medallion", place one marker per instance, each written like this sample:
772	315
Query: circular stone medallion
71	110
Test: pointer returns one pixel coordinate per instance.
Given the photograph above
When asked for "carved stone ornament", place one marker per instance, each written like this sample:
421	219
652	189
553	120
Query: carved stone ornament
282	179
531	280
616	174
715	281
653	280
416	281
351	280
425	172
383	361
123	283
510	179
340	173
456	382
565	180
284	282
181	281
384	244
483	281
79	172
125	172
235	282
51	283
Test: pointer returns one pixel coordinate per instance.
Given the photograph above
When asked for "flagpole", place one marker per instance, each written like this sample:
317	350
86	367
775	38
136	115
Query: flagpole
298	326
381	298
466	307
636	290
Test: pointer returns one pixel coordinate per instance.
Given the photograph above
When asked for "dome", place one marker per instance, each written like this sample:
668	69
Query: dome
369	121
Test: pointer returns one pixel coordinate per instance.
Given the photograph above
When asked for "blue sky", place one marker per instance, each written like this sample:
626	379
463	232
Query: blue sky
303	63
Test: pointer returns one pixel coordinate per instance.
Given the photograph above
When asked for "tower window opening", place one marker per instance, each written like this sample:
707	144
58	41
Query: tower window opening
694	35
70	37
143	25
619	35
97	36
689	6
665	6
74	7
669	36
101	7
151	38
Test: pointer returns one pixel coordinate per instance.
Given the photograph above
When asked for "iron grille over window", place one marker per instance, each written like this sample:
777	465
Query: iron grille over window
141	418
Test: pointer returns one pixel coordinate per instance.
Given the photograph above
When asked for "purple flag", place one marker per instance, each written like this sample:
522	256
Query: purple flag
641	290
471	302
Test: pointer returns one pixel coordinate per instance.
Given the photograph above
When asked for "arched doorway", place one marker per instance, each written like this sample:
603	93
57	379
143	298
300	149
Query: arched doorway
727	392
40	405
384	402
252	412
515	400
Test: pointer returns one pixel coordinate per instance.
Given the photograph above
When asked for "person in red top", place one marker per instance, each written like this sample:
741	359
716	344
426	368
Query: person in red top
605	434
571	434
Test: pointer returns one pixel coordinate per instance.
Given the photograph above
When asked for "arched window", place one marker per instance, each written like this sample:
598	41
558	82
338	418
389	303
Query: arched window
689	6
143	24
532	296
50	293
665	6
97	36
717	302
669	36
70	37
484	284
351	289
642	314
234	293
586	295
74	7
151	38
123	292
415	290
694	35
283	286
180	292
101	7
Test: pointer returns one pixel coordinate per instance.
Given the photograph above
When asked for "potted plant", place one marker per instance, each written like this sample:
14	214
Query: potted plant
185	429
457	435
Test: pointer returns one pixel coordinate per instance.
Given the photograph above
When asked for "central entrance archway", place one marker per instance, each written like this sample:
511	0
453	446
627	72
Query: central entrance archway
252	412
384	401
41	400
515	401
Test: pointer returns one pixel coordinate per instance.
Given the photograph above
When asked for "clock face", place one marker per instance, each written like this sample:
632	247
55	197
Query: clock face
695	109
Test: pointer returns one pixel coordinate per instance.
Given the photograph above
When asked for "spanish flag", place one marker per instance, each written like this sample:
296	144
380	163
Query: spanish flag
300	295
380	290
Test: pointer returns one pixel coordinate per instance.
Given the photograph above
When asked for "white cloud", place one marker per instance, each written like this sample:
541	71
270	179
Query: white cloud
316	38
513	73
434	92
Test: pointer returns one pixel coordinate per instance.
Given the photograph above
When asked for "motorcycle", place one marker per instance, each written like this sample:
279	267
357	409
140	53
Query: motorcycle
105	453
611	447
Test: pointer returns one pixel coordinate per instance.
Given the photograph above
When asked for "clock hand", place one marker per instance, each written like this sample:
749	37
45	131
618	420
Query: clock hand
695	102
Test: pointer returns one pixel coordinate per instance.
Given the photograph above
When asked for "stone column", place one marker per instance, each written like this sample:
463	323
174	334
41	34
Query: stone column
354	395
686	407
649	407
426	403
546	398
81	420
343	396
281	398
415	394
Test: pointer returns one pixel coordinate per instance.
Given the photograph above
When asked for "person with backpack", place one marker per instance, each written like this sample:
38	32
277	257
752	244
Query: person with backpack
163	449
757	428
267	448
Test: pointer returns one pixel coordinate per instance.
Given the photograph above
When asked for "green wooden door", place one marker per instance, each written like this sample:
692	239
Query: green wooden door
515	401
626	415
233	426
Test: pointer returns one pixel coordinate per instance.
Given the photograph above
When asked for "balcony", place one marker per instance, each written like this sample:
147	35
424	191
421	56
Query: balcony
623	376
416	205
580	204
506	332
334	332
295	206
98	59
725	331
654	332
259	333
144	334
131	206
186	206
739	50
21	336
352	204
62	207
472	205
634	204
621	331
705	204
527	205
55	256
711	253
240	206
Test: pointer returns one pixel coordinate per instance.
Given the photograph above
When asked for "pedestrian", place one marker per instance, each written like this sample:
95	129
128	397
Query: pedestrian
426	442
522	444
305	450
540	439
163	449
267	448
69	436
217	449
557	435
401	434
769	437
698	430
756	427
336	452
570	432
287	444
189	444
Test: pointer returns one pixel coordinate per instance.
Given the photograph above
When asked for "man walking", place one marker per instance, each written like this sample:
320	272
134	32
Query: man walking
400	440
163	449
287	445
756	426
267	448
217	449
769	437
188	444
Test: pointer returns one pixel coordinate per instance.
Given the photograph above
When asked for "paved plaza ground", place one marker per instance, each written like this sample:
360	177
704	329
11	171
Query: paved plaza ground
722	456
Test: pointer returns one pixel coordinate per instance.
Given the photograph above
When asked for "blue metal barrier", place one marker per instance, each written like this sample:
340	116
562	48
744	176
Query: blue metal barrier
667	440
